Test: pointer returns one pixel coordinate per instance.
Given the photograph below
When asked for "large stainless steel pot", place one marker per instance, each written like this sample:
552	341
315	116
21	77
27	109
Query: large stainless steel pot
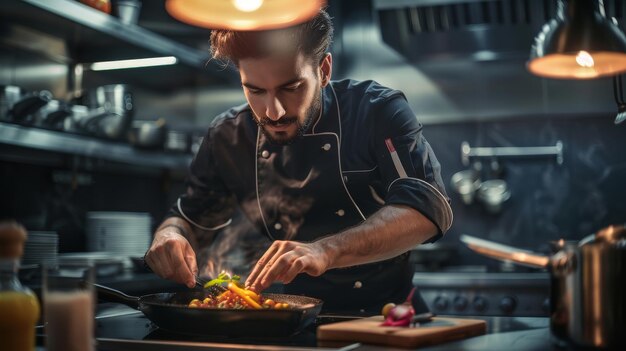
588	285
115	98
111	111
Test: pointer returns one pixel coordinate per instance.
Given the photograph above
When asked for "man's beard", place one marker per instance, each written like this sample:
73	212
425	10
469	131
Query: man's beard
311	113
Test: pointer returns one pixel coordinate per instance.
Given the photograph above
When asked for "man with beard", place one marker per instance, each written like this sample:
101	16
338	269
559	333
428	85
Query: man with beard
336	174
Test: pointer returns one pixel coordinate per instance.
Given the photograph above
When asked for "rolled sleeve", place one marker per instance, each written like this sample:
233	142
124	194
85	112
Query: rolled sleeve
408	167
423	197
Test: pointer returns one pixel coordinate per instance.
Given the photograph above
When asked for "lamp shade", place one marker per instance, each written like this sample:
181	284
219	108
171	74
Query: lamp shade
244	14
580	43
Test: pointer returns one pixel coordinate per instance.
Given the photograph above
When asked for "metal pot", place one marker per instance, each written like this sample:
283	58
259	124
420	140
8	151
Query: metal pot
148	134
493	193
466	183
52	115
24	109
103	123
588	285
111	112
9	95
116	98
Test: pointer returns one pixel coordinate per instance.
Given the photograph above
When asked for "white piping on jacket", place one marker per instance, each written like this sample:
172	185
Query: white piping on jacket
180	209
376	197
441	197
339	153
338	137
256	181
361	170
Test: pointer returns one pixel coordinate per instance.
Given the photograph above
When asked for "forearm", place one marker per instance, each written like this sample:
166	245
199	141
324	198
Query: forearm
391	231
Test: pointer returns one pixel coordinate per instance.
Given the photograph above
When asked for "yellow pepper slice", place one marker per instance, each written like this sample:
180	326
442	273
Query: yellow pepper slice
237	290
252	294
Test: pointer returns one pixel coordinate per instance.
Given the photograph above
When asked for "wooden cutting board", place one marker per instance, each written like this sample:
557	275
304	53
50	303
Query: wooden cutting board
368	330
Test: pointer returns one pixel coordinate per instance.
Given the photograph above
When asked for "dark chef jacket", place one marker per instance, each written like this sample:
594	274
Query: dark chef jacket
366	151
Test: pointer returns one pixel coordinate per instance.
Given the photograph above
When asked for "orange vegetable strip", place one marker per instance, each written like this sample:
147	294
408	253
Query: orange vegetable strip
252	294
234	288
222	295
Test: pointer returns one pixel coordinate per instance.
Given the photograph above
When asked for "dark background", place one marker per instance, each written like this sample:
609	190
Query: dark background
457	93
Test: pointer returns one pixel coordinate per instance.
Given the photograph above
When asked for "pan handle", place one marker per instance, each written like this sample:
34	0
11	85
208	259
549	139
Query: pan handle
112	295
504	252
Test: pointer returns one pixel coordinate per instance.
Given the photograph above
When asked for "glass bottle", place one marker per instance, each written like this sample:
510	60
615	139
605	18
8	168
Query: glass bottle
19	307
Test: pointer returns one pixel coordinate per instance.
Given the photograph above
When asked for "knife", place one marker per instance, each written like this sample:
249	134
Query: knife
422	318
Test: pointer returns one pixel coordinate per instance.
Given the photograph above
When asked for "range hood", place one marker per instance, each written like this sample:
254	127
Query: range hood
481	30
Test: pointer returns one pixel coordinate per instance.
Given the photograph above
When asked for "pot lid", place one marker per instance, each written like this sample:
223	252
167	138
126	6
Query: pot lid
614	235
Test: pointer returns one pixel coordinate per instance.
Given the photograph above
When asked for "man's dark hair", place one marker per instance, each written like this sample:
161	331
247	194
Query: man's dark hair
312	38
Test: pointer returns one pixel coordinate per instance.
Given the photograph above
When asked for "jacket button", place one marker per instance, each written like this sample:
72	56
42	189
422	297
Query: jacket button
357	284
326	147
278	226
345	179
265	154
340	212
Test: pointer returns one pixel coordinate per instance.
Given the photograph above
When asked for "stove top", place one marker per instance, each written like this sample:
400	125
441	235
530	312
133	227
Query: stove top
485	294
118	327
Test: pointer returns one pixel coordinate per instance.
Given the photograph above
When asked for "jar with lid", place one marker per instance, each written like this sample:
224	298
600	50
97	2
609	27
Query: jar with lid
19	307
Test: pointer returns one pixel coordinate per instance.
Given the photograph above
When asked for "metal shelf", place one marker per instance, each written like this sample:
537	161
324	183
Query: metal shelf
91	35
47	140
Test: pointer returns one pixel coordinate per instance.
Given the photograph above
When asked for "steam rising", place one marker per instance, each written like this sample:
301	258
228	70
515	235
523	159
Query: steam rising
234	249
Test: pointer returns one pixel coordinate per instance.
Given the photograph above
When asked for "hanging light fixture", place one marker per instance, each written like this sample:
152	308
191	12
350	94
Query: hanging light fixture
244	14
580	43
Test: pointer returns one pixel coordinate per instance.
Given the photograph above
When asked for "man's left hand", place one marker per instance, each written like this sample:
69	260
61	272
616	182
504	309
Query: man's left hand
286	259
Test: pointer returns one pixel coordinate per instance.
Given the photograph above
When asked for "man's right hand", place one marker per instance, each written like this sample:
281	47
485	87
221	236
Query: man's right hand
171	257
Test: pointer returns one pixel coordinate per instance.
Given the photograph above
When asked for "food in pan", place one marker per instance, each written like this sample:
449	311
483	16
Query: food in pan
235	297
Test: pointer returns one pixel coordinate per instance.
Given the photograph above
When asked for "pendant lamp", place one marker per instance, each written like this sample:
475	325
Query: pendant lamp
244	14
580	43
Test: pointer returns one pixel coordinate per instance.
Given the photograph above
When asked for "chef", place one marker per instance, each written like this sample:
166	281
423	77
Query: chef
337	174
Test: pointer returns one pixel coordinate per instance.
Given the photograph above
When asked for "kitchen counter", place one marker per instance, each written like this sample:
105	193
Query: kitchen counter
122	328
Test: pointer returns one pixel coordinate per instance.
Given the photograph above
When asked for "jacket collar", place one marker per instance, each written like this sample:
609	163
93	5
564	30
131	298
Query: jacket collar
330	120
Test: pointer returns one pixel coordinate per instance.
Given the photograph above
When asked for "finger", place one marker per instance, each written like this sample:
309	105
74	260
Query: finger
157	258
258	267
295	267
190	260
181	273
275	268
258	283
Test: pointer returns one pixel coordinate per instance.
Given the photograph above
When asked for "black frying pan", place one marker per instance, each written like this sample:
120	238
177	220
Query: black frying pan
170	311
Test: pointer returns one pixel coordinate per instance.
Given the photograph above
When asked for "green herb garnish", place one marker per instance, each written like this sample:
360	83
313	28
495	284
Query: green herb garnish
223	278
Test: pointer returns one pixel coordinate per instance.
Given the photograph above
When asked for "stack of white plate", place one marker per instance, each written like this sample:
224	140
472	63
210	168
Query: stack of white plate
41	248
105	263
125	234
